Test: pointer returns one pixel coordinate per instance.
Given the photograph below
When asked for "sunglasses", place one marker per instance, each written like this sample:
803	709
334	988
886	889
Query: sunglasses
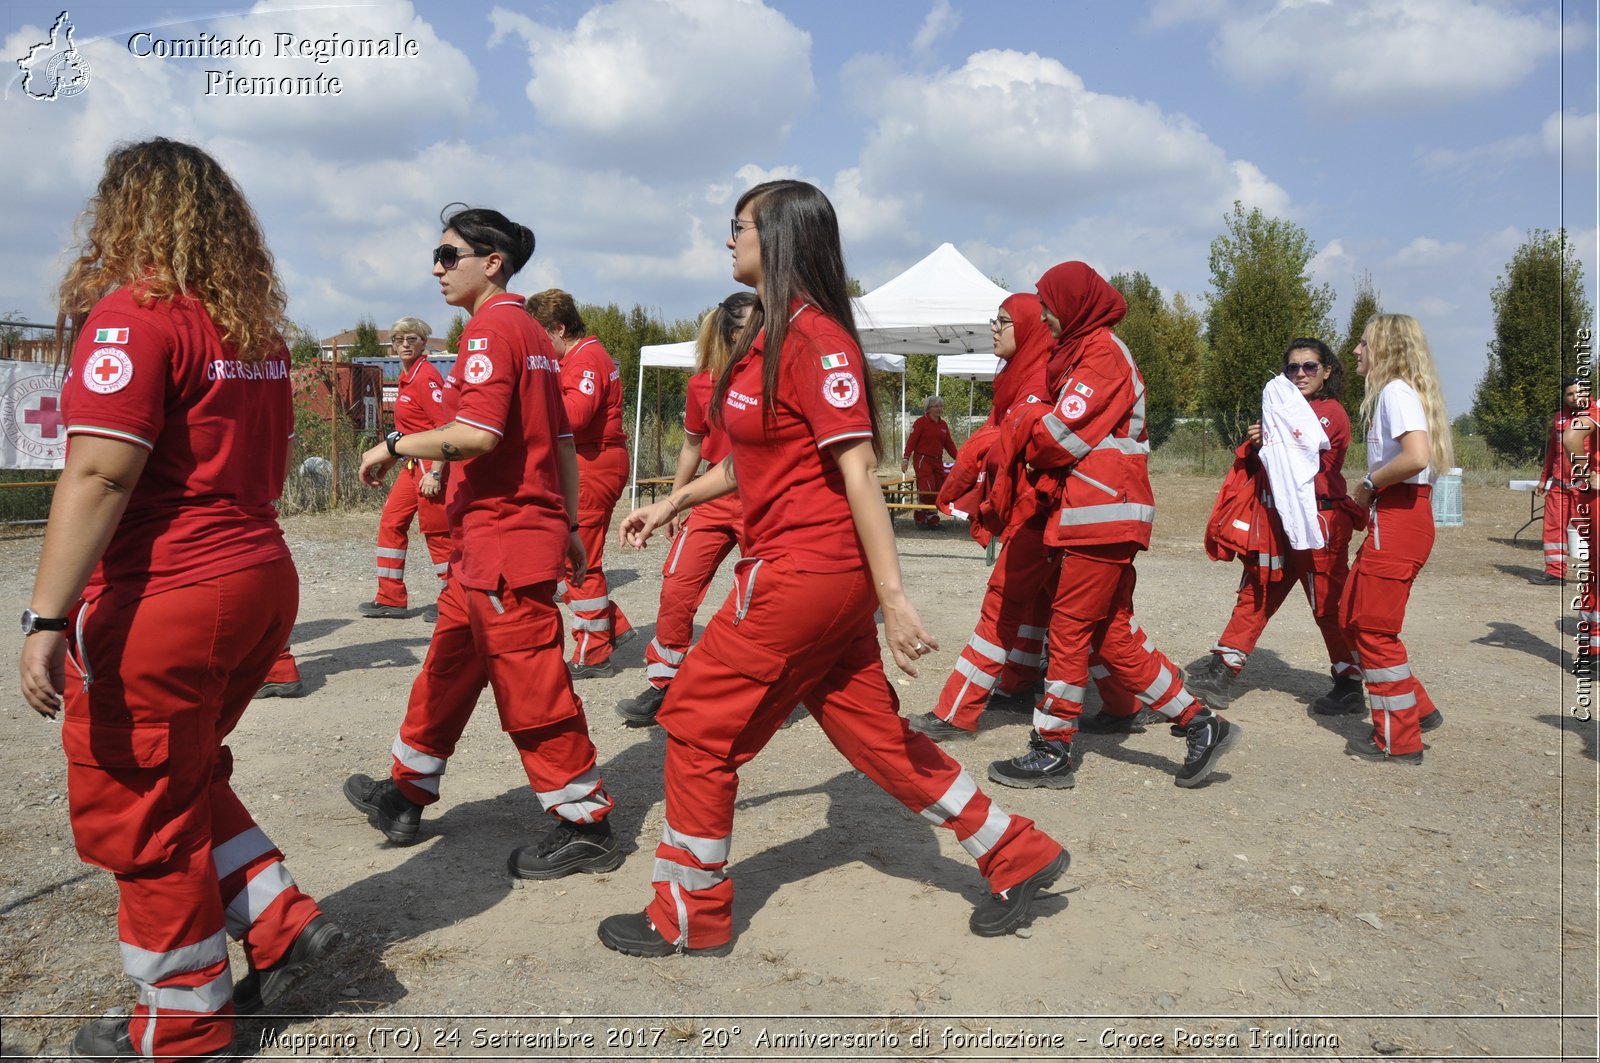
407	340
1296	368
449	255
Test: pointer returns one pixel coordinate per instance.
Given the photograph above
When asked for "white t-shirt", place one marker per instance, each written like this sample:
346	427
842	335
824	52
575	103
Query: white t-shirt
1397	412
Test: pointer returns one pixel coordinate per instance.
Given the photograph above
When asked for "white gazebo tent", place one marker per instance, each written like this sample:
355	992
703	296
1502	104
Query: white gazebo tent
966	367
681	356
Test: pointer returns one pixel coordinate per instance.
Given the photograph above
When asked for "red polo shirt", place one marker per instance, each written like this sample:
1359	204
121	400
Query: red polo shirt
419	400
160	377
697	419
506	508
591	391
791	490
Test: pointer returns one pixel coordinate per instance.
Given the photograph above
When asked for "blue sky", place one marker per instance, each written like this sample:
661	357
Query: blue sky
1417	141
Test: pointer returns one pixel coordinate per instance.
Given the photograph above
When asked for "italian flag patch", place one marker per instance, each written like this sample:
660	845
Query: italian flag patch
1084	389
478	344
111	335
834	361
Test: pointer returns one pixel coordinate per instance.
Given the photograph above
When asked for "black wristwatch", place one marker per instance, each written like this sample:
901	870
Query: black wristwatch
390	440
32	622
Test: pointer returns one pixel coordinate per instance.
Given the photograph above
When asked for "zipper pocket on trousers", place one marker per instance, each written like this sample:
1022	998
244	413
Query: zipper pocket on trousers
82	658
744	585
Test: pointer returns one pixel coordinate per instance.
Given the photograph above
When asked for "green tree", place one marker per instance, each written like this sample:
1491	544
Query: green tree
366	345
1141	329
452	338
1182	336
1362	310
304	346
1539	306
1262	296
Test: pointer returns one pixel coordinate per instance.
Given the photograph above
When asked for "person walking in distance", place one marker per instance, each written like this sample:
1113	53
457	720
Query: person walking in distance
513	517
703	539
1090	452
419	486
165	590
1408	441
591	391
926	446
1563	491
798	407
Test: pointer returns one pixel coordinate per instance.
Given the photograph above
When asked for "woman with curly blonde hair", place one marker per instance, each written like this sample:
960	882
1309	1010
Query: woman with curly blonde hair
1408	442
165	590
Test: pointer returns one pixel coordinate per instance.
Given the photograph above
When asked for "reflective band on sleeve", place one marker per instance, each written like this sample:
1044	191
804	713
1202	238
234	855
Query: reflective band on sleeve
1389	675
1396	703
1080	515
705	850
978	676
984	647
690	878
239	850
1123	444
1066	437
987	836
1029	631
953	801
418	761
147	968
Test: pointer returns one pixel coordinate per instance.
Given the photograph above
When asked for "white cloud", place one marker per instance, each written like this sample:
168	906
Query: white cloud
667	86
1332	264
1571	137
1378	53
942	20
1426	251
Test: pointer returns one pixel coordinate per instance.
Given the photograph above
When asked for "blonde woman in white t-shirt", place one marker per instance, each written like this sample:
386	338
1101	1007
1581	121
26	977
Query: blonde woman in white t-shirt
1408	439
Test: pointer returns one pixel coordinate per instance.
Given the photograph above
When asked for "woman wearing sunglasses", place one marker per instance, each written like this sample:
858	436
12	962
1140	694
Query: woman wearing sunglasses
513	515
1408	441
798	407
164	559
1316	373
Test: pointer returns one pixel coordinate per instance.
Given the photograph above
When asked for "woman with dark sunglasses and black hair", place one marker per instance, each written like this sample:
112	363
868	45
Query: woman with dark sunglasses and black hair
1316	373
513	515
797	404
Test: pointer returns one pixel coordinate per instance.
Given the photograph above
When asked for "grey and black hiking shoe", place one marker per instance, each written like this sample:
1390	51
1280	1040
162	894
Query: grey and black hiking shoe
1209	736
640	711
1212	681
937	729
566	849
1047	763
1004	912
398	817
1345	699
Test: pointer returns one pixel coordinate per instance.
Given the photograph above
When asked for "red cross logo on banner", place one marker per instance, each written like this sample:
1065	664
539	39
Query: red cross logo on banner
108	369
46	416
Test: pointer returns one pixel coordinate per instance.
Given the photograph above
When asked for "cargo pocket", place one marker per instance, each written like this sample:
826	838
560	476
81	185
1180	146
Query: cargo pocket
118	782
526	669
727	684
1374	602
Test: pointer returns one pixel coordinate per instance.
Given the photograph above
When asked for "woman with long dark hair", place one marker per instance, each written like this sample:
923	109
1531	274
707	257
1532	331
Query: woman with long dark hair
798	408
165	591
513	516
1312	367
702	540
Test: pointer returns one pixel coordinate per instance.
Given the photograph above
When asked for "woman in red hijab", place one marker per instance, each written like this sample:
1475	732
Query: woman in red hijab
1093	451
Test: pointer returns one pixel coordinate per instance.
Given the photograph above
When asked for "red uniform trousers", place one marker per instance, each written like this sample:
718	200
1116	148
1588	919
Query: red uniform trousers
284	669
930	477
512	641
1374	609
1093	609
783	637
710	534
402	504
1561	540
1322	573
154	686
1006	650
597	622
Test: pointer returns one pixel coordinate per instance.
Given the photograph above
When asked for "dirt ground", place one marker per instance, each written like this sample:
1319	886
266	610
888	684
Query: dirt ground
1301	904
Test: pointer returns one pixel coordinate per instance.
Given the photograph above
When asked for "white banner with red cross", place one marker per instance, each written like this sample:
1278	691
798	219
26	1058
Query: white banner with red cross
32	433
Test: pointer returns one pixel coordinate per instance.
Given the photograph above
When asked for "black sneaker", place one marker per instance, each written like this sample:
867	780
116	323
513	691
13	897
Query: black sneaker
1367	749
591	671
1004	912
636	935
1047	763
641	711
110	1038
294	689
566	849
1544	579
1104	723
1345	698
379	611
319	940
1432	722
1212	681
386	807
430	615
1209	736
1021	702
937	729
